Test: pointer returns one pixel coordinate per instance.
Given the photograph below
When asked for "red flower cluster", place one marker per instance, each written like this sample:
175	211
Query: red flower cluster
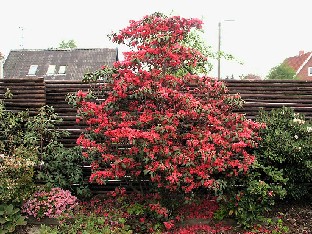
177	132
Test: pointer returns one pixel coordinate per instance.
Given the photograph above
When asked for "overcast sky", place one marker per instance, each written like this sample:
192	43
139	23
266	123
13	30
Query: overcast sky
263	34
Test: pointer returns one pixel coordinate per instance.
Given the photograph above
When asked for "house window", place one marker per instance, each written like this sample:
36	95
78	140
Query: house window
32	70
310	71
51	70
62	70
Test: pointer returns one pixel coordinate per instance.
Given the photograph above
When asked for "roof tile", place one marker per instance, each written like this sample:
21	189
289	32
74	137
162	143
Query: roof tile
296	61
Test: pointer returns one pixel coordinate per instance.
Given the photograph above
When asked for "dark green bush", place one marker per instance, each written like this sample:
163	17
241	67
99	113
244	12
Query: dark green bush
286	148
62	167
248	198
12	134
283	167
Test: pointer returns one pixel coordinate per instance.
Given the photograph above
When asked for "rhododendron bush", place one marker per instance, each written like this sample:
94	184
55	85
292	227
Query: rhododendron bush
179	133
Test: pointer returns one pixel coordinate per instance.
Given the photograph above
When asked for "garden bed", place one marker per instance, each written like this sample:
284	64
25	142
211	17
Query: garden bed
296	216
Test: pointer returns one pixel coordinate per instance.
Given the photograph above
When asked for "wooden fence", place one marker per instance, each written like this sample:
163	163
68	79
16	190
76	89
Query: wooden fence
269	94
27	93
32	93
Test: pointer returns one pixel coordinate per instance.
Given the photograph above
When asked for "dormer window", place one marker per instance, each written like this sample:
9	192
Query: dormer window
32	70
51	70
310	71
62	70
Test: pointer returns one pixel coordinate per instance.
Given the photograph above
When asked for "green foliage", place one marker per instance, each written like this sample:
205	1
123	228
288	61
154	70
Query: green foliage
18	157
280	227
88	224
249	198
59	166
70	44
136	209
12	130
282	168
286	147
62	167
10	218
282	72
16	173
41	130
45	229
35	132
23	139
195	40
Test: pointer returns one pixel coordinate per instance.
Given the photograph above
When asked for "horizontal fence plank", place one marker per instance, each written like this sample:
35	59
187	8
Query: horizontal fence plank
266	94
27	93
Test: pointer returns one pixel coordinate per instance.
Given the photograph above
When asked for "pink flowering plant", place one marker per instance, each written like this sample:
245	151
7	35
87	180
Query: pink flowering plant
50	204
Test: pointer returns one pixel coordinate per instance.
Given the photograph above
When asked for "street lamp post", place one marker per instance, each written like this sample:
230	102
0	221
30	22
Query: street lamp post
219	48
219	51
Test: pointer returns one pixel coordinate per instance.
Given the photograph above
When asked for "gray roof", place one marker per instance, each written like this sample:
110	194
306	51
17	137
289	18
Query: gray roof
77	62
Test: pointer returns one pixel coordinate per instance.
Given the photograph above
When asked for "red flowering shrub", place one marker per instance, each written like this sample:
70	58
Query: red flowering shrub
179	133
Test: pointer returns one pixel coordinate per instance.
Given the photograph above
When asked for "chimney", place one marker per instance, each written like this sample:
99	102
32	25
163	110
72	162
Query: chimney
301	52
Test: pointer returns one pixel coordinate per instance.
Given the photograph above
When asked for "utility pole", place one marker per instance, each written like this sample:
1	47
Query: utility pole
219	51
219	48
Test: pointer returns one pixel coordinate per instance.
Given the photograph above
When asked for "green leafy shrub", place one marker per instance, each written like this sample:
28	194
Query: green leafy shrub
59	166
286	148
282	168
16	173
91	224
18	157
12	132
10	218
62	167
250	198
282	72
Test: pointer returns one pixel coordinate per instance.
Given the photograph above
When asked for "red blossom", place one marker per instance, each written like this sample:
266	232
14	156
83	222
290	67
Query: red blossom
81	94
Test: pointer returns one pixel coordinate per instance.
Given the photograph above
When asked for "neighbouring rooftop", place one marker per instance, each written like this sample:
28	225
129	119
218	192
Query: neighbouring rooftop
57	64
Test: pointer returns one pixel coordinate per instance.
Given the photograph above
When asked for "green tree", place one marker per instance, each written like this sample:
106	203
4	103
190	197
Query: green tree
70	44
194	39
282	72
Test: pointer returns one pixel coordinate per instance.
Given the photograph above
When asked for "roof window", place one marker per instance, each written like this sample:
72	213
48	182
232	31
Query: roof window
310	71
62	70
32	70
51	70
